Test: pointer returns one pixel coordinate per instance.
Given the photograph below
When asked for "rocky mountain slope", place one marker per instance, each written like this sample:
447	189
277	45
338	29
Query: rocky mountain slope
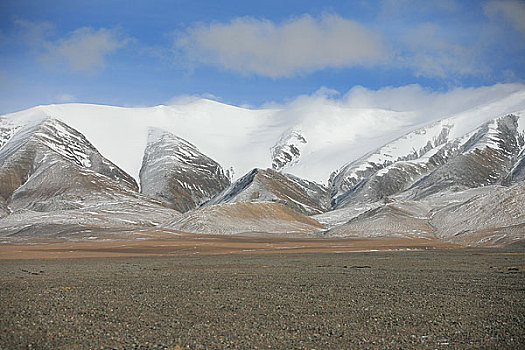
492	215
176	173
437	161
268	185
405	219
447	185
51	175
47	160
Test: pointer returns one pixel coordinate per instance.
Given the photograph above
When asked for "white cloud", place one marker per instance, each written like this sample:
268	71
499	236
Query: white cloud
299	45
427	103
83	49
413	105
511	11
305	44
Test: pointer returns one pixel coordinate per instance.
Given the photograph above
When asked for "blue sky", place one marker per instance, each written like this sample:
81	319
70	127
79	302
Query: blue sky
144	53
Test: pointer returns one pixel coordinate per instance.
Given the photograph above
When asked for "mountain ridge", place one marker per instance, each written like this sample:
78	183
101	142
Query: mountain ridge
53	175
247	136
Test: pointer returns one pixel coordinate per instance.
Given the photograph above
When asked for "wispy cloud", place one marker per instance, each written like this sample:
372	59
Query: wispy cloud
299	45
421	105
428	51
378	116
429	104
84	49
33	33
511	11
64	98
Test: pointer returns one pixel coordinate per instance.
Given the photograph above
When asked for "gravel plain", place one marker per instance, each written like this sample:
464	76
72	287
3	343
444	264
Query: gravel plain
459	298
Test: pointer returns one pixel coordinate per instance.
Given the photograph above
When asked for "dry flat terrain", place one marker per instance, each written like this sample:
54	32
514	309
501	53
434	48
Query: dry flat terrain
175	243
457	298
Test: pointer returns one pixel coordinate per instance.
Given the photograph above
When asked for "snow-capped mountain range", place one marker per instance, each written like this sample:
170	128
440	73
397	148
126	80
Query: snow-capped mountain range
74	159
242	139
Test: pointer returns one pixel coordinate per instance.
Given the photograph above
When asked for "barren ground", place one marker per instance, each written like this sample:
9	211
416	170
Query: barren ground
176	295
157	243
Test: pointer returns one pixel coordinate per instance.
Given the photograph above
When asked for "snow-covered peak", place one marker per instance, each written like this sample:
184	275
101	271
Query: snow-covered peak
233	136
176	173
50	140
172	145
63	140
481	156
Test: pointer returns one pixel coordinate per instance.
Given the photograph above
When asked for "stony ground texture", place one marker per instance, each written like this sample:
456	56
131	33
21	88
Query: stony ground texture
432	299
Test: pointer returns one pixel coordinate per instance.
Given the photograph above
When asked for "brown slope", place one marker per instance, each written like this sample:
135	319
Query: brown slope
244	217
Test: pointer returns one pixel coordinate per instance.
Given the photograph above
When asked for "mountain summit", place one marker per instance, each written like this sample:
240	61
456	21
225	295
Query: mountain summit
175	172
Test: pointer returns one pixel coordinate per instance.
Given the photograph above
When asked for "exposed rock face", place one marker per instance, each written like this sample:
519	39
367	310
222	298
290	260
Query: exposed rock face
7	130
319	193
288	150
4	210
517	173
270	186
382	184
261	217
176	173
